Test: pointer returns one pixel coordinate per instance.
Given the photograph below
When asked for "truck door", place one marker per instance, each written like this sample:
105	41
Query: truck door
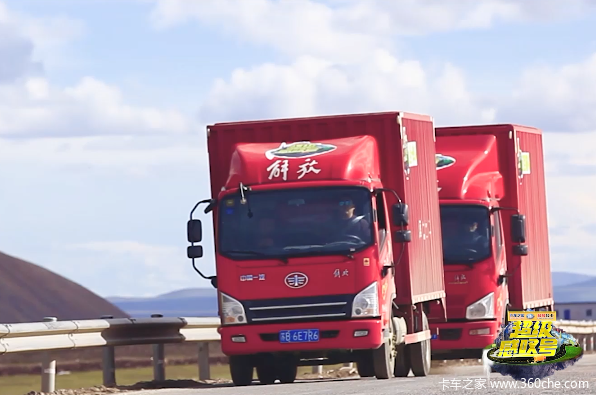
385	250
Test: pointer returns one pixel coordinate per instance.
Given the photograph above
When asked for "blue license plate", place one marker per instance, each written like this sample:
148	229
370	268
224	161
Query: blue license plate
299	336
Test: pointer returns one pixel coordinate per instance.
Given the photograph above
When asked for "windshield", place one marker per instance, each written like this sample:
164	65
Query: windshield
294	222
466	234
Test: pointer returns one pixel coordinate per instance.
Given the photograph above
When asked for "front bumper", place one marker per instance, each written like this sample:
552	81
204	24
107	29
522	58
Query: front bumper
333	335
459	336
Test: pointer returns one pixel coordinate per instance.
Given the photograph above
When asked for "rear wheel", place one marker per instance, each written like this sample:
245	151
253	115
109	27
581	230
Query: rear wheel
384	356
420	353
241	369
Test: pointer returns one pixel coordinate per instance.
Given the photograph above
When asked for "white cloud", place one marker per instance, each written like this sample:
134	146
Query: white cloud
32	37
35	108
346	29
134	155
31	106
311	86
561	99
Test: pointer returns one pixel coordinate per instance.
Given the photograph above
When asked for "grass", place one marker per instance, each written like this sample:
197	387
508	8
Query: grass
21	384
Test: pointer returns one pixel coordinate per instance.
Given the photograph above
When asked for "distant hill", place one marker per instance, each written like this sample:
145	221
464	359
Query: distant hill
29	292
189	302
561	279
584	291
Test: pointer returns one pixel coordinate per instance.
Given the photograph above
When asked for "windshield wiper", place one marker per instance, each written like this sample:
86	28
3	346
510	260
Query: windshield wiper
259	254
306	247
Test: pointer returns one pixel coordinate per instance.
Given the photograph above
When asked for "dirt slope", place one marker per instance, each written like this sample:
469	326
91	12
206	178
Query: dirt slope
29	292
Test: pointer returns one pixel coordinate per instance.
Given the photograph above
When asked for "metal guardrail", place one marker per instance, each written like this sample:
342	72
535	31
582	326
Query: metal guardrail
109	333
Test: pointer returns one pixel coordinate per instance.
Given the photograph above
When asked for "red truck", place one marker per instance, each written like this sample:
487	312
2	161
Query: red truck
495	234
327	243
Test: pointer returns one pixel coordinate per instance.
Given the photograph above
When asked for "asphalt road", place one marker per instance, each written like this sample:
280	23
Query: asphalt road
582	376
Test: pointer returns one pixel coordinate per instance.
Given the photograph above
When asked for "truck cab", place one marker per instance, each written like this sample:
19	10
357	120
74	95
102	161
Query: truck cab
327	243
304	258
474	254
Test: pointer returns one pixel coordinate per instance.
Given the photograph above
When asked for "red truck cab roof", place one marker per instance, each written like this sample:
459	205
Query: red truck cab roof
468	168
345	159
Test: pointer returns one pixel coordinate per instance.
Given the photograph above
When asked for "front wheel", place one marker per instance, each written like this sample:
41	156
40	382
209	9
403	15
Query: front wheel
365	364
266	369
241	369
384	356
287	370
420	355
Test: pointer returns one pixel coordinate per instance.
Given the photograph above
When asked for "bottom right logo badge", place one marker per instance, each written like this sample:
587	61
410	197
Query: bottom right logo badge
529	346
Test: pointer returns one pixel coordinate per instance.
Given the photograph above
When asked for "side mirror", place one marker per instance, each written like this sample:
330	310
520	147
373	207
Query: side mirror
401	214
194	231
520	249
403	236
194	252
518	228
212	204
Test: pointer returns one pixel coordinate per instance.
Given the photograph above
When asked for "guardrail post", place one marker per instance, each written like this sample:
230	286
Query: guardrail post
318	369
48	367
159	369
108	362
204	367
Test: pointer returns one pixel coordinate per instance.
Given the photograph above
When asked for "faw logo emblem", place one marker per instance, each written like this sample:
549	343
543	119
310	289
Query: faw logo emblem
301	149
296	280
443	161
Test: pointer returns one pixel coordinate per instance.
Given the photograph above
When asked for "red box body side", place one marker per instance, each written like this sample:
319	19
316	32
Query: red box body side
419	274
530	285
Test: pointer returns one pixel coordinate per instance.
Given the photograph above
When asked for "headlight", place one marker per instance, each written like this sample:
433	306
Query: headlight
232	311
484	308
366	303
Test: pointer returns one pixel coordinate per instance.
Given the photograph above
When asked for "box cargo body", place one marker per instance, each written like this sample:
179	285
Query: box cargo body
419	274
521	164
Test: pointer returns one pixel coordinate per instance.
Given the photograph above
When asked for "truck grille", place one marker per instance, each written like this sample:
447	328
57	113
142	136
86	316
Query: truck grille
314	308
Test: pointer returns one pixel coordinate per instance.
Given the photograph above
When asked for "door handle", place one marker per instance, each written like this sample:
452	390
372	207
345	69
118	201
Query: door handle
386	268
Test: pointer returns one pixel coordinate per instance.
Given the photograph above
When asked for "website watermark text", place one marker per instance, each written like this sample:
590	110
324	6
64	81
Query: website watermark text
481	383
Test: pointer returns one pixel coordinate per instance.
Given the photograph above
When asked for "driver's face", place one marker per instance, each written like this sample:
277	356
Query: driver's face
473	227
347	209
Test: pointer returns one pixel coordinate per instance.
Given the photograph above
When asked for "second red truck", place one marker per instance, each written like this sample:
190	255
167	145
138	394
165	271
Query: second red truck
496	258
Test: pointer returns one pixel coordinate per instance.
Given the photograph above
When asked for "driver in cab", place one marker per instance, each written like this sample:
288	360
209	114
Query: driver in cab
474	237
351	224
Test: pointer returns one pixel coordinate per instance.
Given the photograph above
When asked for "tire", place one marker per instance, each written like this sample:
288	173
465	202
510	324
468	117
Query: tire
384	356
402	362
241	370
286	370
365	364
420	353
266	369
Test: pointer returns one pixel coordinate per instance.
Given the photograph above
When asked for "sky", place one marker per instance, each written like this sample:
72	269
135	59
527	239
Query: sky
104	104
